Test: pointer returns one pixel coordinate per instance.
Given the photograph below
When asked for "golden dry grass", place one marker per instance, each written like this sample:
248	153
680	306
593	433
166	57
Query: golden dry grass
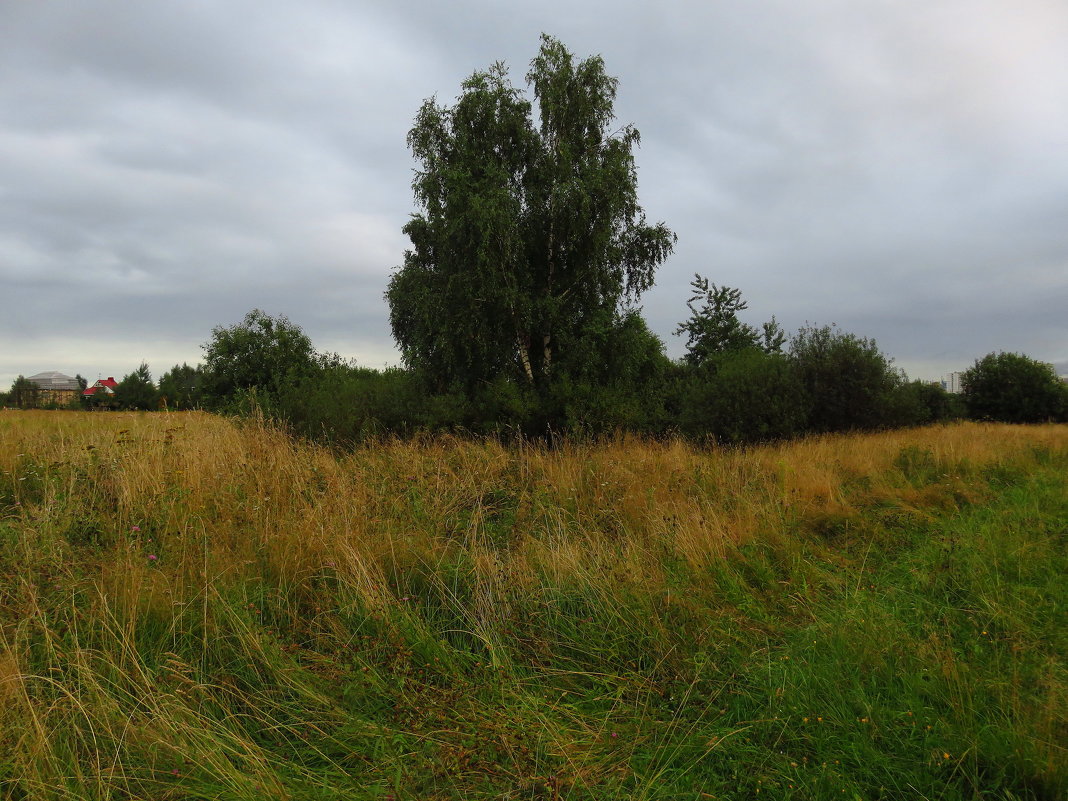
172	533
291	507
213	500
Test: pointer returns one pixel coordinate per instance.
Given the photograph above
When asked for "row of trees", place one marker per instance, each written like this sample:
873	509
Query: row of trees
735	384
178	388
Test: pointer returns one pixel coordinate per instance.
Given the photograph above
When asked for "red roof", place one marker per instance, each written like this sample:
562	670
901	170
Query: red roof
108	384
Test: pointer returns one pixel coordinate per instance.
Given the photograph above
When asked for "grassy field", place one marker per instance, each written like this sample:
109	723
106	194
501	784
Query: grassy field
192	608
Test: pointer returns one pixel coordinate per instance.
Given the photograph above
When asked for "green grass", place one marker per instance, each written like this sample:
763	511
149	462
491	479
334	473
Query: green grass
909	642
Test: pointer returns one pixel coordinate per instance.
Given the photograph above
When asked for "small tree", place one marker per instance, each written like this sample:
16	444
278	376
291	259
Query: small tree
750	397
260	353
181	386
847	378
714	328
24	394
1013	388
615	378
136	390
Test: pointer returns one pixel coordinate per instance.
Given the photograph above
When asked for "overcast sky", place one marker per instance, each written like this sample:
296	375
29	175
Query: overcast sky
899	167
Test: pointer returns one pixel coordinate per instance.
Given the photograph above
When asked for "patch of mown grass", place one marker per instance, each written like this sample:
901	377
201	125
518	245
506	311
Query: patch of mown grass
219	612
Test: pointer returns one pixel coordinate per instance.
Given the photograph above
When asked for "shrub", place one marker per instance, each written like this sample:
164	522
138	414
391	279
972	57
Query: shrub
848	379
1012	388
750	396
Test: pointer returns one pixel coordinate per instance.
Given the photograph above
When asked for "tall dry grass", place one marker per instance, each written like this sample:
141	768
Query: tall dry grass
155	562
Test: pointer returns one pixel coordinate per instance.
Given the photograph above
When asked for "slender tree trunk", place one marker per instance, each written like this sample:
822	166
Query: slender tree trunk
523	345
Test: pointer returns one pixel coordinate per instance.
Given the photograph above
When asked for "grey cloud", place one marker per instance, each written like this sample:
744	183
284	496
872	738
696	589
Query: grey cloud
894	167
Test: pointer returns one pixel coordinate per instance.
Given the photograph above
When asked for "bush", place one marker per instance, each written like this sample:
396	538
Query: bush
849	381
750	396
917	403
262	354
1012	388
136	390
613	378
181	387
342	404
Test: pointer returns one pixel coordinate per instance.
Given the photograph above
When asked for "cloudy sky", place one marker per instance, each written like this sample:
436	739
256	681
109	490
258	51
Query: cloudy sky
899	167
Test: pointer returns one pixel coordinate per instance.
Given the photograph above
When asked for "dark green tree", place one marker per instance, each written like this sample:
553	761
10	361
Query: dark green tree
24	394
527	236
751	396
714	328
849	381
180	387
615	379
80	401
136	390
261	353
914	403
1013	388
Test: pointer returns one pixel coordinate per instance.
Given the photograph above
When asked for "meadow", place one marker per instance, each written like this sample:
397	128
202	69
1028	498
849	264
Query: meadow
194	607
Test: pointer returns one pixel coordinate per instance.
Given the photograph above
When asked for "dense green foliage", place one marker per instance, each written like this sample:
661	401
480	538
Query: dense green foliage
261	354
848	380
616	379
749	397
182	387
529	238
136	390
1013	388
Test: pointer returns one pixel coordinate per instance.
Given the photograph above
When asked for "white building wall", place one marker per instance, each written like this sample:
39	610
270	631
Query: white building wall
952	382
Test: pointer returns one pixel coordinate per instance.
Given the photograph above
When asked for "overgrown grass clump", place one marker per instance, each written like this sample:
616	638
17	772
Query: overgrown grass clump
192	608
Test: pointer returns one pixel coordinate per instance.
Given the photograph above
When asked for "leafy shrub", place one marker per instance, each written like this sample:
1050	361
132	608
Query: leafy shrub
848	379
1012	388
751	396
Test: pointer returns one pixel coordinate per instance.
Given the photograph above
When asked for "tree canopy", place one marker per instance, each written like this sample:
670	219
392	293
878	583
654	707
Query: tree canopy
849	381
181	386
261	353
136	390
1014	388
714	329
525	235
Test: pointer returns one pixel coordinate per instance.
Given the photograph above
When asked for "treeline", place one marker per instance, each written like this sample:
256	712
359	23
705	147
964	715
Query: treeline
179	388
736	384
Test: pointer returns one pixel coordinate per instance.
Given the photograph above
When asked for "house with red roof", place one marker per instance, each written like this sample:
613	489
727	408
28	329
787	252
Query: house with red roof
102	392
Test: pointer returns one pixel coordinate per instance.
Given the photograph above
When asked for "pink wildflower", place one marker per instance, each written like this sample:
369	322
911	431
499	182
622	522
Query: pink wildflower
152	557
135	528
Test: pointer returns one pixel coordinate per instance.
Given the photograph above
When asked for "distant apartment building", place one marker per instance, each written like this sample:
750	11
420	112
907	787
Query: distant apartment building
952	382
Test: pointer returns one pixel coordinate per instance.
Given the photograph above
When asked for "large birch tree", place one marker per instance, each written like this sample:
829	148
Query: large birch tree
528	229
